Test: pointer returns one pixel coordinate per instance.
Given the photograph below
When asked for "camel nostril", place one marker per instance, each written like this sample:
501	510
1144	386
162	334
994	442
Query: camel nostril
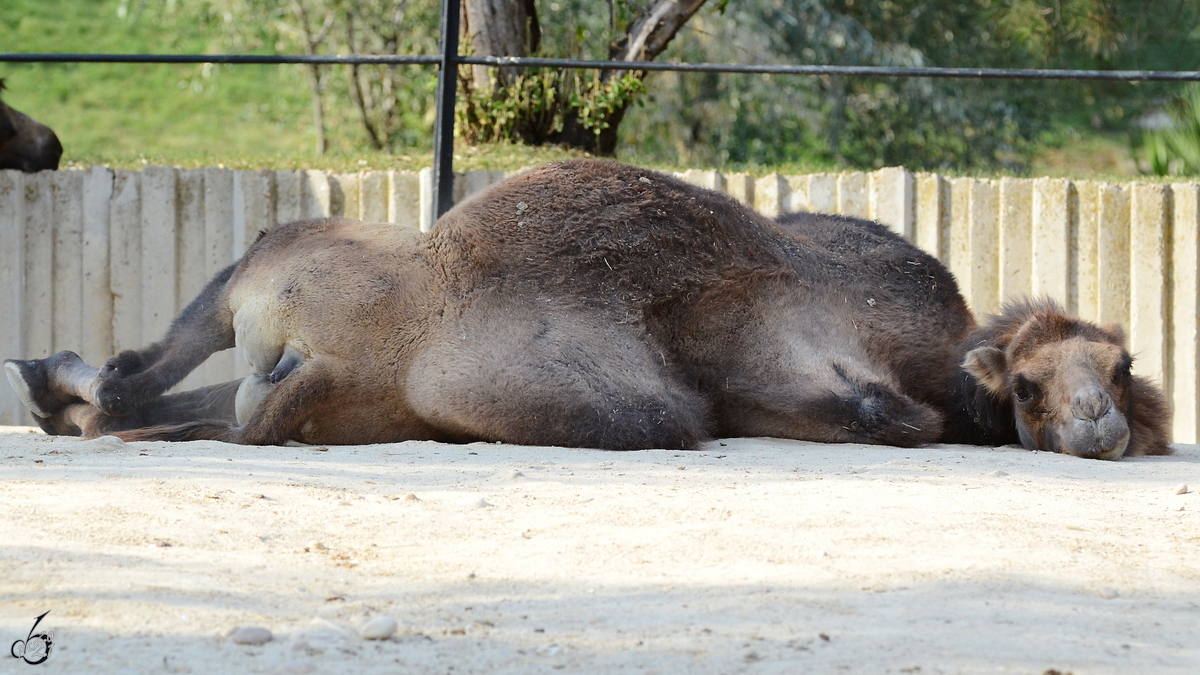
1091	404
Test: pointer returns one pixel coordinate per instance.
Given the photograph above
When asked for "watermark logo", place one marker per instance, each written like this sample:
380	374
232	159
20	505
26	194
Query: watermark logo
35	648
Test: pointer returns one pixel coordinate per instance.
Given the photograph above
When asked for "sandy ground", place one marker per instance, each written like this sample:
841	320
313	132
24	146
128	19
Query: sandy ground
747	556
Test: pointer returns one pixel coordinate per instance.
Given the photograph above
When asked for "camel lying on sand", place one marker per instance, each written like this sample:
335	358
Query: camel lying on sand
593	304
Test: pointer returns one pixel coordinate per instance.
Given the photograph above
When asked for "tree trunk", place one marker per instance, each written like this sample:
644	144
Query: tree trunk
312	40
510	28
646	39
499	28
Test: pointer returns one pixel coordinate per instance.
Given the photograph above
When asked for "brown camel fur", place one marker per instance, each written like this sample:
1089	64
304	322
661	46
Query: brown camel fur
25	143
1036	376
581	304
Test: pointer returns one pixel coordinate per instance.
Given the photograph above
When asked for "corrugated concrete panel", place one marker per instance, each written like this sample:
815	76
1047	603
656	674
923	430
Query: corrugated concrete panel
1053	232
713	180
1087	254
974	242
191	253
822	193
97	343
12	286
933	215
259	203
985	241
160	216
373	197
317	196
426	216
219	225
1150	206
1185	312
1016	234
289	195
347	191
853	198
470	183
1112	254
958	245
797	194
892	200
67	223
740	186
38	315
770	195
404	198
125	260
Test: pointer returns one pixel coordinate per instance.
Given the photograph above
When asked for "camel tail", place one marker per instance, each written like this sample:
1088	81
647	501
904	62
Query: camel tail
201	430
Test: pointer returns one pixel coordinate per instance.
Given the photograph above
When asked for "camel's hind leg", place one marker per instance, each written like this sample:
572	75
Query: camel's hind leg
538	375
278	414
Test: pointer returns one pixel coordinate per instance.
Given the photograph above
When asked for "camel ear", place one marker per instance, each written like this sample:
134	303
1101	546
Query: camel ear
987	365
1116	331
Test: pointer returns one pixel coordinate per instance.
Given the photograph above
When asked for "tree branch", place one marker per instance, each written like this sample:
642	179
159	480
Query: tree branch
655	29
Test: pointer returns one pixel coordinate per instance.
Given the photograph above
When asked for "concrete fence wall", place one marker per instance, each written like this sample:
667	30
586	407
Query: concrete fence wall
99	260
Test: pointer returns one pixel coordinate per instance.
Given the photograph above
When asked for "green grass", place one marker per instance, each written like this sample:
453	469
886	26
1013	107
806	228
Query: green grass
114	113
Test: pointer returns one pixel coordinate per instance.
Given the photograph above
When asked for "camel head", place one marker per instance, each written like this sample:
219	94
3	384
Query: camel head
1070	385
25	143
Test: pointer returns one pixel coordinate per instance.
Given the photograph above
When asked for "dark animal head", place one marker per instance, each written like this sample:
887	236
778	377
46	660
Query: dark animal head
1070	386
25	143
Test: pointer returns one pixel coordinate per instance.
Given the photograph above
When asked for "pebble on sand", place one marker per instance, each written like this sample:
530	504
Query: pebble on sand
250	635
1181	490
106	443
378	628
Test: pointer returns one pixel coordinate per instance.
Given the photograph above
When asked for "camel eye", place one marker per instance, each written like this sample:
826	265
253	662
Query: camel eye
1023	389
1122	372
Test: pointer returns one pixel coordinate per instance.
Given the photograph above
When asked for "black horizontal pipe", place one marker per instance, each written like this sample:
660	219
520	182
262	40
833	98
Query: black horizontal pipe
530	62
355	59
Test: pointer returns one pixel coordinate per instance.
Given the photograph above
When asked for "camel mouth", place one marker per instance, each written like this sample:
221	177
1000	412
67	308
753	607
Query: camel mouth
1097	442
1106	438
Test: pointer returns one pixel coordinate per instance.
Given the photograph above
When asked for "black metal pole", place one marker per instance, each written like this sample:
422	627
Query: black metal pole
443	126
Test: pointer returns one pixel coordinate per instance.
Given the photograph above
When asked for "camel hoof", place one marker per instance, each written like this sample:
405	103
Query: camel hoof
28	377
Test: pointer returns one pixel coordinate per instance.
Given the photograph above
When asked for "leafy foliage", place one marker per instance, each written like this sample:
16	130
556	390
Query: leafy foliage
534	108
187	113
1176	150
923	124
